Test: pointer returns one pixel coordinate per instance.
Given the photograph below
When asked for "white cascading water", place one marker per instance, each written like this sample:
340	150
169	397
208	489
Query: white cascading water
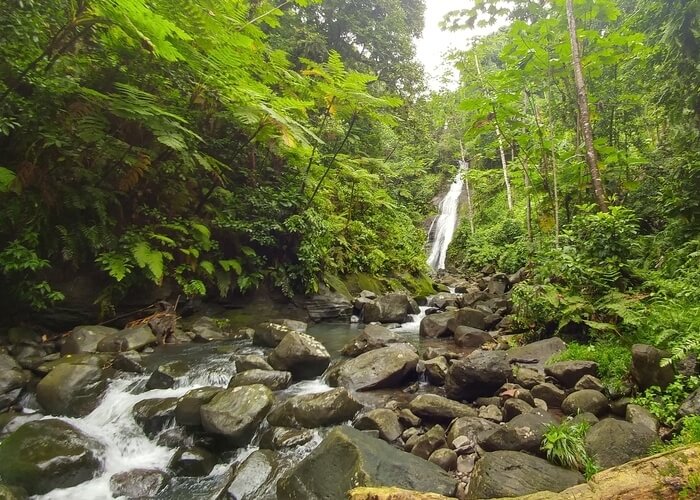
445	223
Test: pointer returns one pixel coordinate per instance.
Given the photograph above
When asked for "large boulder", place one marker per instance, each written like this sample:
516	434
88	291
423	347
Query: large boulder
434	407
372	337
192	462
211	487
327	305
48	454
549	393
188	407
138	483
479	374
235	413
12	380
498	284
246	362
646	367
435	325
270	334
523	433
567	373
470	317
385	367
301	354
511	474
315	410
277	438
348	458
586	401
613	442
390	308
466	336
154	415
536	354
253	475
691	406
382	420
476	430
85	338
130	339
71	390
273	379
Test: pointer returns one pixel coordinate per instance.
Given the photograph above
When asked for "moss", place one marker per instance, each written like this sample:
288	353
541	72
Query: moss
337	285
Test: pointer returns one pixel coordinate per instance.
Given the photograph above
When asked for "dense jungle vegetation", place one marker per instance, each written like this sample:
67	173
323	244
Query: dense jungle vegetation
225	144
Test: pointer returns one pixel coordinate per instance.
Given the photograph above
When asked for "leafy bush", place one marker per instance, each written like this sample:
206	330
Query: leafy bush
564	445
664	403
613	359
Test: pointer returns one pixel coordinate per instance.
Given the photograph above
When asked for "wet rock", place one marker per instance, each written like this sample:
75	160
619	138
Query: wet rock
129	361
48	454
192	462
536	354
522	433
270	334
138	483
12	380
437	408
276	438
85	338
486	401
389	308
130	339
302	355
567	373
71	390
435	325
11	421
511	474
212	487
479	374
436	370
475	429
589	382
154	415
513	407
586	400
359	460
315	410
466	336
165	376
274	380
235	413
613	442
372	337
188	407
252	476
646	367
206	329
443	300
427	443
445	458
250	362
385	367
174	437
384	421
638	415
550	394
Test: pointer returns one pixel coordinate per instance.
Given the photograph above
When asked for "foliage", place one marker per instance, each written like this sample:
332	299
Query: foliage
564	445
664	403
613	359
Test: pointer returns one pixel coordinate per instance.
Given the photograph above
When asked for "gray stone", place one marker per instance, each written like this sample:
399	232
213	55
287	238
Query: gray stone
436	370
138	483
130	339
192	462
386	422
470	317
85	338
390	308
359	460
479	374
476	429
498	284
302	355
639	415
567	373
527	377
274	380
385	367
522	433
154	415
691	406
235	413
187	409
315	410
466	336
435	325
646	367
436	408
270	334
513	407
165	376
250	362
427	443
408	418
253	475
71	390
550	394
584	401
129	361
536	354
491	412
328	305
512	474
445	458
613	442
589	382
372	337
585	417
277	438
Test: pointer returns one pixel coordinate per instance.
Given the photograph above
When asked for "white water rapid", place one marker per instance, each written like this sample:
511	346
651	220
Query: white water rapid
445	223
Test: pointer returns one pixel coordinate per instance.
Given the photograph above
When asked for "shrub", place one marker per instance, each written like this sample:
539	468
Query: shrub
664	403
613	359
564	445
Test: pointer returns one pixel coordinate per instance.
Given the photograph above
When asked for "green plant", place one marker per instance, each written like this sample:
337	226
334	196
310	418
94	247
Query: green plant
612	358
692	489
564	445
664	403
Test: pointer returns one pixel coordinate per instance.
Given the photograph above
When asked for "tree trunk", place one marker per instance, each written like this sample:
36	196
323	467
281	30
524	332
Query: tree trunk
591	157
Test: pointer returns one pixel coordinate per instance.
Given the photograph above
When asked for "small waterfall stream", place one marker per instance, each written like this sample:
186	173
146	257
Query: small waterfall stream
444	225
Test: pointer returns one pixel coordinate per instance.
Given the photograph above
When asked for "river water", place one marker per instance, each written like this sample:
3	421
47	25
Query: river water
126	445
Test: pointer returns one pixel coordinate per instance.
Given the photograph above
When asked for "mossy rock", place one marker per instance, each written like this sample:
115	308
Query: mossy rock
48	454
337	285
363	281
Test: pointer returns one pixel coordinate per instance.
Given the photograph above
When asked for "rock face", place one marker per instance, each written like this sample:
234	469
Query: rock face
71	390
511	473
327	305
315	410
613	442
43	455
567	373
85	338
272	379
479	374
235	413
646	367
434	407
348	458
130	339
302	355
389	308
372	337
385	367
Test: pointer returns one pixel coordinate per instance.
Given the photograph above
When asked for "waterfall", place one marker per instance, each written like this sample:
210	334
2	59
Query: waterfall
445	223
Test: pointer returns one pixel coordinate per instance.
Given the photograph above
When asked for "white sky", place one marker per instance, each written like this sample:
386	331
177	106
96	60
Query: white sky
435	43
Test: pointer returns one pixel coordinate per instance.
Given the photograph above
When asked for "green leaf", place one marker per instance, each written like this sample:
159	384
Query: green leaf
146	257
231	265
7	177
207	266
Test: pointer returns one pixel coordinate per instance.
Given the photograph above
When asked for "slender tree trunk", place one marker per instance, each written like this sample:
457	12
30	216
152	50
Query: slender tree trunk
499	135
591	157
470	207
